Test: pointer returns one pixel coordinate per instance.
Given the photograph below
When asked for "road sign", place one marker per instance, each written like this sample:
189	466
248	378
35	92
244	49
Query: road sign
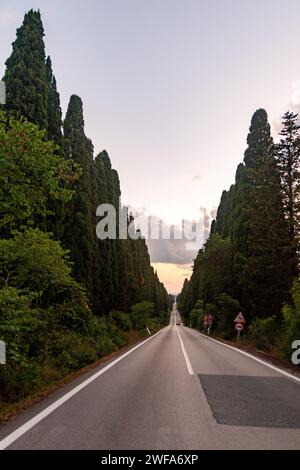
240	318
239	326
207	322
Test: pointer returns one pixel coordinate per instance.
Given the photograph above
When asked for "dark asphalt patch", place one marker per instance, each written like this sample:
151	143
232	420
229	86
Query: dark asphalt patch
253	401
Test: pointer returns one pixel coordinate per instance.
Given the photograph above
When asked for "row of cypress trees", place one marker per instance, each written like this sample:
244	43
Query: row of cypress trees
252	254
116	273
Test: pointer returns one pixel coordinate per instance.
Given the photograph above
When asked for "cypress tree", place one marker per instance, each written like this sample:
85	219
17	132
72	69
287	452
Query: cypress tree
288	160
80	214
107	259
54	133
25	76
223	222
263	259
54	114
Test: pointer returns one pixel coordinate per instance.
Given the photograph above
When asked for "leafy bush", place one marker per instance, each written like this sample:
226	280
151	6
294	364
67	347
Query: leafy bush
44	316
17	380
76	352
291	315
195	315
196	318
141	314
228	308
32	173
265	332
121	319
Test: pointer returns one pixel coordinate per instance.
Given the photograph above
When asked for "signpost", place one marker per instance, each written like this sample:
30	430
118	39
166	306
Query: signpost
207	322
239	324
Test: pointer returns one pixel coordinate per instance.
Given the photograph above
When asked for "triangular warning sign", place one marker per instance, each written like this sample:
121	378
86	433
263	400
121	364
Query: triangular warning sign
240	318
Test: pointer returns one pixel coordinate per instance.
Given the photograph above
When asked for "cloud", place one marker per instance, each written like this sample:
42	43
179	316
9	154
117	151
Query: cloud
170	251
176	251
172	244
185	267
196	177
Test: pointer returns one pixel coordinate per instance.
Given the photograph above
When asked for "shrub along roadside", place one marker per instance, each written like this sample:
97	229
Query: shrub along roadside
52	379
65	351
45	320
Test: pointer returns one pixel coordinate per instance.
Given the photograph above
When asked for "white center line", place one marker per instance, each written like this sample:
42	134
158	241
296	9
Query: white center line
187	361
8	440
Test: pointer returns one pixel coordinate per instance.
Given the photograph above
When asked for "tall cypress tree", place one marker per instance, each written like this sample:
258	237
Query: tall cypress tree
80	214
54	114
107	192
263	258
288	160
223	223
25	76
54	133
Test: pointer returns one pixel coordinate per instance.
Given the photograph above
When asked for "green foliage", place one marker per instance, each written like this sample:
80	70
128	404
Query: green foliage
211	276
288	160
291	315
228	308
32	260
263	257
121	319
265	332
74	351
21	326
25	76
196	318
32	174
18	380
79	222
54	116
141	314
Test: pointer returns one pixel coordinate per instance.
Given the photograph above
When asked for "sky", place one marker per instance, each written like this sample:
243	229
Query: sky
169	88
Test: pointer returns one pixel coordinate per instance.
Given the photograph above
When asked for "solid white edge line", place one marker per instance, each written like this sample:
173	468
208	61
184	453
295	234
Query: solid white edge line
187	361
8	440
281	371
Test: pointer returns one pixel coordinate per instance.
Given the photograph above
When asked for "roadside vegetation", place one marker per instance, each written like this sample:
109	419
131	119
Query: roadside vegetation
250	261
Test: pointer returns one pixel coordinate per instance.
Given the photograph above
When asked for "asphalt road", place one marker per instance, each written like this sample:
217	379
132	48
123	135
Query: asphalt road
178	390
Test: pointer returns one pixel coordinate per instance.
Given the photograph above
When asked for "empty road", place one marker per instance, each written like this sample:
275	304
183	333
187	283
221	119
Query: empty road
178	390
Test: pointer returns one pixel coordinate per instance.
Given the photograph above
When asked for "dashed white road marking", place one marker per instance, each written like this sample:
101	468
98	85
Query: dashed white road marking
186	357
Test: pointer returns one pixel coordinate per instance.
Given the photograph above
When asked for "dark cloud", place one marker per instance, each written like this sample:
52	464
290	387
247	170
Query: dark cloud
170	251
177	251
173	249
